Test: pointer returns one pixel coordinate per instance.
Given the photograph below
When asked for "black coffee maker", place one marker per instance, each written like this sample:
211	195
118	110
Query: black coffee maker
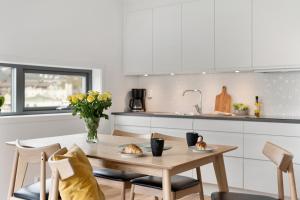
137	102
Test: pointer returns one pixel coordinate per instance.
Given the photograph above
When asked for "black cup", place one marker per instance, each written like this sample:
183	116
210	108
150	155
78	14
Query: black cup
157	146
191	138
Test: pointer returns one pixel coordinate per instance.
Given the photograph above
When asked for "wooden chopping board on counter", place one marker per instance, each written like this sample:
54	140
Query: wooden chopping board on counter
223	102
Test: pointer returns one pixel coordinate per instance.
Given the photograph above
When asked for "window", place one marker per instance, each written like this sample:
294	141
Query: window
6	87
40	89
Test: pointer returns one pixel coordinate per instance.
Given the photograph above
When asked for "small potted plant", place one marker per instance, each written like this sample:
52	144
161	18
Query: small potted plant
240	109
2	100
91	107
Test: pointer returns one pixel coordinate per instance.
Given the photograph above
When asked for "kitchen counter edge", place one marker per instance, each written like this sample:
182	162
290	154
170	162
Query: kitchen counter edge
213	117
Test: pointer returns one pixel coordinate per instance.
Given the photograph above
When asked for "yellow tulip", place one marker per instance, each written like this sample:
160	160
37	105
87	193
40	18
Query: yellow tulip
93	92
90	98
80	96
74	99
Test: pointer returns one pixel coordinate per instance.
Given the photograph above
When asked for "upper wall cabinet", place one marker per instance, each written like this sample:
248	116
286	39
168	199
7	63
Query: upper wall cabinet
276	33
197	36
167	39
233	34
138	43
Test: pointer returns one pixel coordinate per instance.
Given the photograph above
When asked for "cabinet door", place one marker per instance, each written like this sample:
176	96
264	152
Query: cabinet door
138	43
232	34
276	29
234	172
167	39
261	176
198	36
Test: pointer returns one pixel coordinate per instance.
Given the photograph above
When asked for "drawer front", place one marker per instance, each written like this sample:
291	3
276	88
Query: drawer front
134	129
172	132
254	145
267	128
218	125
225	138
234	171
132	121
176	123
262	176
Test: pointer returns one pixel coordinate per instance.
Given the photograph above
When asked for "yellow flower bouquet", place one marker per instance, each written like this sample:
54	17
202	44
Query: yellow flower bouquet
91	107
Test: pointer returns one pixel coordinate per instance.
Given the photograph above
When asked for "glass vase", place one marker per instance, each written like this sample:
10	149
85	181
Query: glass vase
92	125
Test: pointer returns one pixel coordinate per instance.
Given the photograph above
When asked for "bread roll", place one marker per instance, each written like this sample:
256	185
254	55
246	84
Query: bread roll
132	149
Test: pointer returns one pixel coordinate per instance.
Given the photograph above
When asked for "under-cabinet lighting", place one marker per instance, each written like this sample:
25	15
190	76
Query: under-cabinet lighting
146	75
172	74
237	71
203	73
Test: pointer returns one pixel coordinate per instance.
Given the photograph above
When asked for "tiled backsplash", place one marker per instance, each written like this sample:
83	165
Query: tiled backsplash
279	92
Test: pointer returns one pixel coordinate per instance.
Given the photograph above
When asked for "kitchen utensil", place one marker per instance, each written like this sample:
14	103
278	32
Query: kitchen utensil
223	101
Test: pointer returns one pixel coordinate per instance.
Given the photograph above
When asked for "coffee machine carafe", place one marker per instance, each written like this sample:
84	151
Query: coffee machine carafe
137	102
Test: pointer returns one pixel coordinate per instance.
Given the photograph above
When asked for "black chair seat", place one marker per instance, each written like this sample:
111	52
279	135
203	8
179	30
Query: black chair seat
238	196
116	175
177	182
32	192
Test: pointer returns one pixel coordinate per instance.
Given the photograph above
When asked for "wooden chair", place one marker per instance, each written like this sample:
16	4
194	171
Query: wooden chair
181	186
284	162
23	157
116	178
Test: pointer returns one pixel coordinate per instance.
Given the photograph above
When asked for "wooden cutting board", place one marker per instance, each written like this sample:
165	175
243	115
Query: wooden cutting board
223	101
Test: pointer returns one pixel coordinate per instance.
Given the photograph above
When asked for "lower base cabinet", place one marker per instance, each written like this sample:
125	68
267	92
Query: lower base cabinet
234	170
261	176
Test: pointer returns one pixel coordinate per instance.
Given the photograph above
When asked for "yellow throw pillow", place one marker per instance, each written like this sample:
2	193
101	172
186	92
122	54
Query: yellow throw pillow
82	185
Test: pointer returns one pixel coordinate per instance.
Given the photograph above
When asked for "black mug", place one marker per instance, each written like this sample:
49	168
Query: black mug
192	138
157	146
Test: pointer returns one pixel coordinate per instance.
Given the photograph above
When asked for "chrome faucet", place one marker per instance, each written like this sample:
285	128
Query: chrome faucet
197	106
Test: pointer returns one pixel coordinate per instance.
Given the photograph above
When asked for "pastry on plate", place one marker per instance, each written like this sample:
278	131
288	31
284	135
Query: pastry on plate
201	145
132	149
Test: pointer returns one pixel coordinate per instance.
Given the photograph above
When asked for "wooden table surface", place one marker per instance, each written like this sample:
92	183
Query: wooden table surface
176	160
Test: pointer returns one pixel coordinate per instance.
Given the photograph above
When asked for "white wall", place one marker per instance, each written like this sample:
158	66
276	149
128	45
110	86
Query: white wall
279	92
64	33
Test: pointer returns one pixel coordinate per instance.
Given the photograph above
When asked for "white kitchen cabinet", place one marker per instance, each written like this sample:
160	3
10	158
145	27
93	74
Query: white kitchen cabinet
167	39
197	36
262	176
132	121
218	125
175	123
234	172
267	128
138	41
172	132
225	138
233	34
134	129
254	145
276	33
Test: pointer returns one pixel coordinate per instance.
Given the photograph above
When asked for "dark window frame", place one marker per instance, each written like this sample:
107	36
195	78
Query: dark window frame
19	85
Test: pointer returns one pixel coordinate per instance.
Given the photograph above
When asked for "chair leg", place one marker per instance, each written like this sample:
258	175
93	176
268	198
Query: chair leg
156	198
123	192
132	192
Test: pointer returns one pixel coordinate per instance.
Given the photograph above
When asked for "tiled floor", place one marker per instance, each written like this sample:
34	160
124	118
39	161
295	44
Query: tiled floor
113	194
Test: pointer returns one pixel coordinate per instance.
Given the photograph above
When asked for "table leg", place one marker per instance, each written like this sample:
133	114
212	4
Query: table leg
220	171
166	180
199	177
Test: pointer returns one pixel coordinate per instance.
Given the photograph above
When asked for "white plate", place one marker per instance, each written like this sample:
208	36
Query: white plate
131	155
208	149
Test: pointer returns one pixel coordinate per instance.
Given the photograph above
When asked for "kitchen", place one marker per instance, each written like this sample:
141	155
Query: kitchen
227	70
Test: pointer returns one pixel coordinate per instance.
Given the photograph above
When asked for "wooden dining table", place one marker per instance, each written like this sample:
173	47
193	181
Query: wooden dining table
178	159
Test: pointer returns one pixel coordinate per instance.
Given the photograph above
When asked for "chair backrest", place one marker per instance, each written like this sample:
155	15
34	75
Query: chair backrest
283	159
25	156
61	169
166	137
129	134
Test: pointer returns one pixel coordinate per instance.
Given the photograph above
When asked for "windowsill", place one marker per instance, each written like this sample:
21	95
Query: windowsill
13	119
35	113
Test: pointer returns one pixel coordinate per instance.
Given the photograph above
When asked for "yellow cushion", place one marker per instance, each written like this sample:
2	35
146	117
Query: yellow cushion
82	185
